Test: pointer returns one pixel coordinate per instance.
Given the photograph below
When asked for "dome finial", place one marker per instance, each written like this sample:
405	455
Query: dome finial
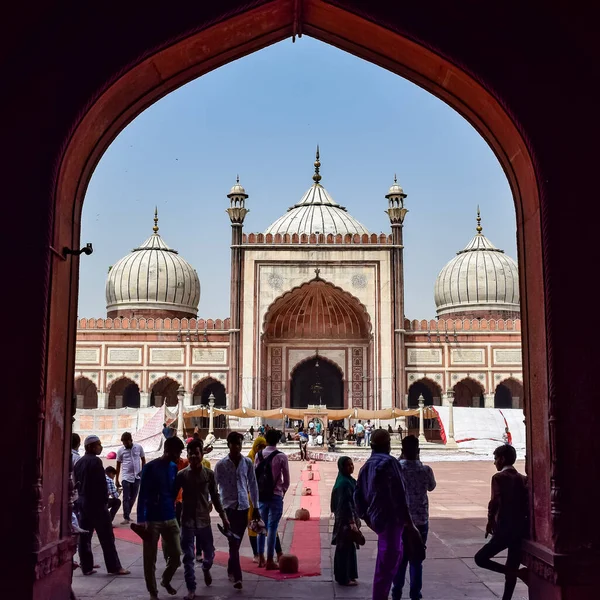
237	178
479	227
316	176
395	178
155	228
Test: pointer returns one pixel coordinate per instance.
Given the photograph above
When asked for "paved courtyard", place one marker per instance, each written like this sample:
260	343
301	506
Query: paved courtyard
457	512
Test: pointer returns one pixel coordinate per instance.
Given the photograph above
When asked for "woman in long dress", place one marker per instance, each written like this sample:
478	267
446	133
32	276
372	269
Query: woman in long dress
345	567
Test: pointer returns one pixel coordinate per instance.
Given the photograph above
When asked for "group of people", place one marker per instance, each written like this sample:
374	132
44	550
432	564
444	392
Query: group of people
391	497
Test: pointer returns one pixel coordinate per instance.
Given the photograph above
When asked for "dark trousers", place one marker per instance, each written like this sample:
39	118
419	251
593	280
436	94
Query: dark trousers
97	519
498	544
416	572
303	453
113	507
130	492
238	520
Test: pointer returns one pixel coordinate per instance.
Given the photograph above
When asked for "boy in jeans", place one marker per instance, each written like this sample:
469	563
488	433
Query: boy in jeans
199	489
507	520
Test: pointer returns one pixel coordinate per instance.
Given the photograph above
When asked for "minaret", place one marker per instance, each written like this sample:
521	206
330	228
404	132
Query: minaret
396	212
237	212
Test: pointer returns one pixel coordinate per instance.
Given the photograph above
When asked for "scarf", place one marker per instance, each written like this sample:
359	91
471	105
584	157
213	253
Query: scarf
343	484
259	441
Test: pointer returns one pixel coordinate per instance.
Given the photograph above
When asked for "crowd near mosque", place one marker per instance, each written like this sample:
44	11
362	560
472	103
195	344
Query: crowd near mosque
176	495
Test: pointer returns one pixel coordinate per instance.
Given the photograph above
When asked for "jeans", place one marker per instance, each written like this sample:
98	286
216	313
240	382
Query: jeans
238	522
497	544
98	519
416	572
130	492
270	512
389	556
113	507
204	543
254	543
169	532
367	438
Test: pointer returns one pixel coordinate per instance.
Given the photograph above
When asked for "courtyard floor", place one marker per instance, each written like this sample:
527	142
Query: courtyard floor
457	521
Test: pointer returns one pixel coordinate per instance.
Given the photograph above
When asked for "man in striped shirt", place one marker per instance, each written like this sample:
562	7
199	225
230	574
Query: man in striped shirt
113	493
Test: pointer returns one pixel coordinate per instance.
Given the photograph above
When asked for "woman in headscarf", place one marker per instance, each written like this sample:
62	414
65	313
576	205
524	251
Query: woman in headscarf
259	444
345	567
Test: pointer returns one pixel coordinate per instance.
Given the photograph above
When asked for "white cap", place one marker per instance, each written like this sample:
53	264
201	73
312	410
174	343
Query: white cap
90	439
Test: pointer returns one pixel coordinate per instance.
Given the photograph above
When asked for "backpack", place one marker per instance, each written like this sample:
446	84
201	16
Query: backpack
264	476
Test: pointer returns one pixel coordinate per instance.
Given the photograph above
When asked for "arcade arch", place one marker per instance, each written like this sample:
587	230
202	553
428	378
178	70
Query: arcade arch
123	392
164	390
468	392
205	387
86	393
509	394
429	389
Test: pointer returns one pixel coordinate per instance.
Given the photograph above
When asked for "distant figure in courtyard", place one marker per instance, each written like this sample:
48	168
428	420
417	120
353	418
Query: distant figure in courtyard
93	510
113	493
156	516
359	432
507	520
400	431
506	436
381	503
418	479
303	443
199	495
235	477
368	430
273	479
346	524
130	462
251	430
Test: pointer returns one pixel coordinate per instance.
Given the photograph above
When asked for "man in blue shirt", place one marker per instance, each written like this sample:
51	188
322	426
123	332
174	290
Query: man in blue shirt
156	516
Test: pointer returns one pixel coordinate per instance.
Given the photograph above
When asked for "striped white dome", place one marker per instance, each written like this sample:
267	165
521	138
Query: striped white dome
153	277
479	278
317	212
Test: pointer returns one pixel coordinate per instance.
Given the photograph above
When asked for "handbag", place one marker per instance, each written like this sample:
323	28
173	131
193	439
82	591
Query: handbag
414	547
355	537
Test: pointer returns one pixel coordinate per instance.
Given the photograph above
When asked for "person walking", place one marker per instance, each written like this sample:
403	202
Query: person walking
418	480
260	443
251	430
368	431
130	462
156	516
507	520
273	478
303	443
359	432
200	494
346	524
92	505
381	502
113	493
236	481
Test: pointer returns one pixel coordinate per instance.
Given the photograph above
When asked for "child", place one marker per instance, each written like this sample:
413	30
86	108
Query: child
113	494
507	520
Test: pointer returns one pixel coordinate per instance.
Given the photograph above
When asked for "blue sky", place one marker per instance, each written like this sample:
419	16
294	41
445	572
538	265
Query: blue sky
262	117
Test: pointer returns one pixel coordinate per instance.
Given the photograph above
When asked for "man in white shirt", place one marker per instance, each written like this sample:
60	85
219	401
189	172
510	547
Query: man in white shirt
130	462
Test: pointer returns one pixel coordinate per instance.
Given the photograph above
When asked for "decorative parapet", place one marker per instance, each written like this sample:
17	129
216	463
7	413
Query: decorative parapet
177	325
321	238
450	326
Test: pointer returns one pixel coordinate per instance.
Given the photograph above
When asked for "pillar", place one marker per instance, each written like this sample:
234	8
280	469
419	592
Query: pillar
488	400
211	414
396	212
102	399
450	440
237	213
119	401
422	439
188	399
145	399
445	399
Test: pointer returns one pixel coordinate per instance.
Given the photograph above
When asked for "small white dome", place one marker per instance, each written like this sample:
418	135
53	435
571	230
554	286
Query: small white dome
153	277
237	189
317	212
479	278
395	189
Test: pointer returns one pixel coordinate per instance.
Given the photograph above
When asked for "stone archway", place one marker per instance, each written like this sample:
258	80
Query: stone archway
317	381
164	390
468	392
86	393
429	389
123	393
509	394
204	388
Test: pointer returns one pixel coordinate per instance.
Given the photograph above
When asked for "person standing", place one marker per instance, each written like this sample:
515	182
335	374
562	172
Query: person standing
368	431
507	520
381	502
273	476
251	430
130	462
113	493
359	431
236	480
93	512
200	494
303	443
156	516
418	479
345	566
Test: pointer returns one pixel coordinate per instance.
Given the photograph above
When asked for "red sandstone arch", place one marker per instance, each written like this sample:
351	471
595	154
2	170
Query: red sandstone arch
86	393
465	390
507	391
316	310
118	387
164	389
428	388
209	384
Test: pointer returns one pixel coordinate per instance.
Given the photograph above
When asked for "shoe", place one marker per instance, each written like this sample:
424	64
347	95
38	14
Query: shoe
89	572
238	585
190	596
207	576
121	571
261	561
199	558
169	588
271	565
125	521
255	558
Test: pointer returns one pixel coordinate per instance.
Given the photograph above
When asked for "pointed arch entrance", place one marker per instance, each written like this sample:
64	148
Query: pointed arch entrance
164	390
124	393
468	392
429	389
509	394
317	381
86	393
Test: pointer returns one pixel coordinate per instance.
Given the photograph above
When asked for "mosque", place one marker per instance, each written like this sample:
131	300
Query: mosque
316	317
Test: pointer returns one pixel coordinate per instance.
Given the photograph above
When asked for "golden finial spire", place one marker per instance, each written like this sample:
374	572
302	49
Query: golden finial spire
316	176
155	228
237	179
479	227
395	178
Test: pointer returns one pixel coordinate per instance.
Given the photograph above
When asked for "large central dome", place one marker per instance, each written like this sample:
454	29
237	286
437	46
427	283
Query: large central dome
317	212
152	281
